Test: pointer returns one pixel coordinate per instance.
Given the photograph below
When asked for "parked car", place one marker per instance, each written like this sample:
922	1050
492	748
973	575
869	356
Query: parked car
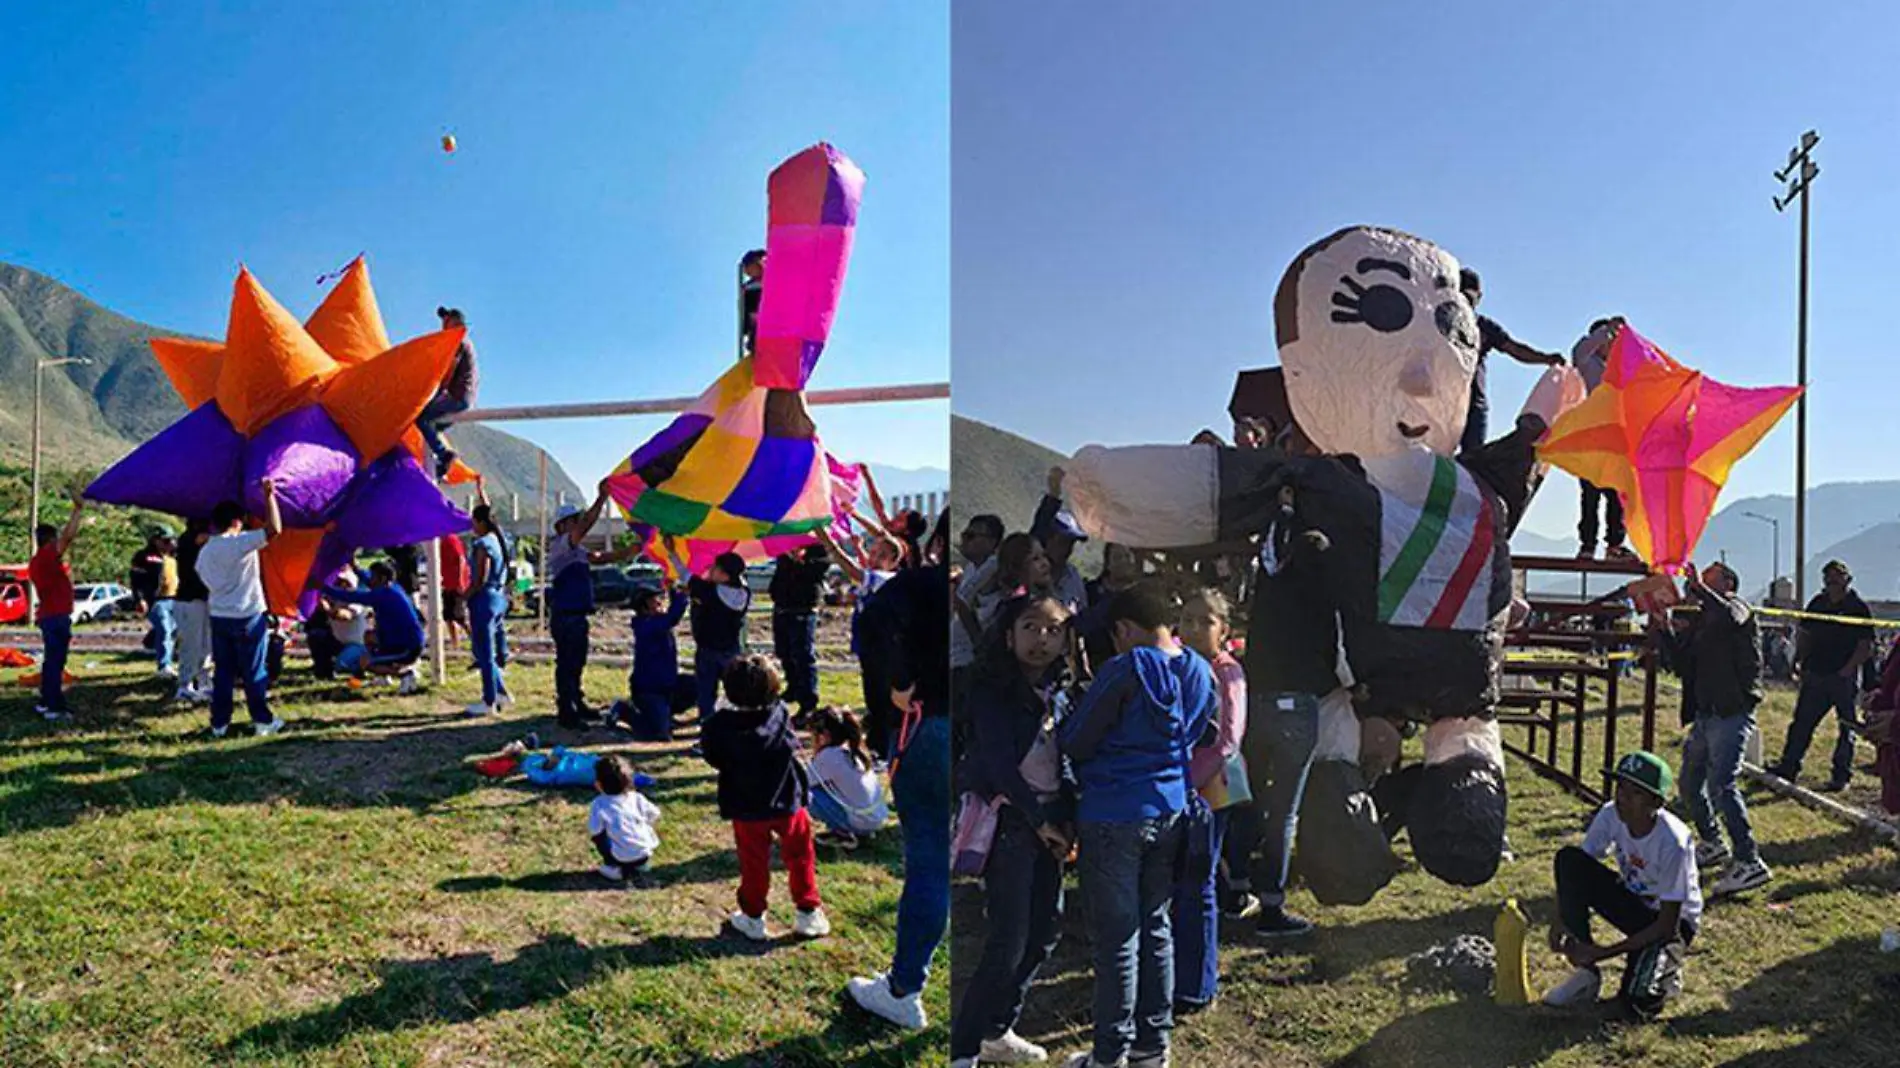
12	602
614	587
96	601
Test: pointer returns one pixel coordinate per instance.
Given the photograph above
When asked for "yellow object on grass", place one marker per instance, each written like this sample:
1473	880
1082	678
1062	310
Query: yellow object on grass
1512	985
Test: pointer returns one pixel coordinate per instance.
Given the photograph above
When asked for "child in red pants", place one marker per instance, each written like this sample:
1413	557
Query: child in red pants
764	792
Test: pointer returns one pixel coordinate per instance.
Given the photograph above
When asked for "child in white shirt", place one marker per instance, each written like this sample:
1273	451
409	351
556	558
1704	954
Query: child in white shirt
621	822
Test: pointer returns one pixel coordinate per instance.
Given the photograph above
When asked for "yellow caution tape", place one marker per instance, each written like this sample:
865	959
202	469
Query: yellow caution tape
1820	617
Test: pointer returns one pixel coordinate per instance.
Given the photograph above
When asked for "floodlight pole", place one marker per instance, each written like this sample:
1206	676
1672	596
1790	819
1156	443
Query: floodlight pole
1800	174
33	505
1776	524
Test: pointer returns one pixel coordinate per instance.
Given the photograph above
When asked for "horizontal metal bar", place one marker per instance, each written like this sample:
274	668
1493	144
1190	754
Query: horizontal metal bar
665	405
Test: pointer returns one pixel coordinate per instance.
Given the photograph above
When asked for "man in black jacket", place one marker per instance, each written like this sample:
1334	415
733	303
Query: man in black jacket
1719	658
1828	657
798	580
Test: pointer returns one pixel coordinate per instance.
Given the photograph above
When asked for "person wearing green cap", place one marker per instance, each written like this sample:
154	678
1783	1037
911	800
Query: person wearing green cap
1654	897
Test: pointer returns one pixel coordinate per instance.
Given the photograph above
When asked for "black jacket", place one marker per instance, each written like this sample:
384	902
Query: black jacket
1719	658
906	626
756	753
1005	717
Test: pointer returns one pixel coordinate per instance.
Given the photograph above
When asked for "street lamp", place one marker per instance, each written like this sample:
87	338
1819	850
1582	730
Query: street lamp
1799	177
1775	523
33	508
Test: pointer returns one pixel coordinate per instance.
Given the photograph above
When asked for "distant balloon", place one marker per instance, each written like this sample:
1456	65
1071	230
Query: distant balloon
448	143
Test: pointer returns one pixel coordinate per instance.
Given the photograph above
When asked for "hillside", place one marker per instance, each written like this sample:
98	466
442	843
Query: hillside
96	412
997	472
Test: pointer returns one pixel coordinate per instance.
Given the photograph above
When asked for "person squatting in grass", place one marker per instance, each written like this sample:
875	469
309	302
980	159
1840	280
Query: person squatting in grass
764	793
620	821
1654	897
847	794
398	628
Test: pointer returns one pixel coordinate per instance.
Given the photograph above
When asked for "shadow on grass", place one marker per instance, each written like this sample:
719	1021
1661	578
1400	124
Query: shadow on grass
1828	997
1474	1032
470	986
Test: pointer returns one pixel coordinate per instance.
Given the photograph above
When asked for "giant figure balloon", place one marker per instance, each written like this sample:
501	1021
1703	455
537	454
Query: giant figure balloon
1665	438
326	409
743	470
1412	594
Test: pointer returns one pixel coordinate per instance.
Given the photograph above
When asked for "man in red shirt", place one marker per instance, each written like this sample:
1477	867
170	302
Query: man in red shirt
454	556
52	581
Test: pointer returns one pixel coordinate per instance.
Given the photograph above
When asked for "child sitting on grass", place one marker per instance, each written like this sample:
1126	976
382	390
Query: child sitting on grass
763	791
621	822
1654	897
847	795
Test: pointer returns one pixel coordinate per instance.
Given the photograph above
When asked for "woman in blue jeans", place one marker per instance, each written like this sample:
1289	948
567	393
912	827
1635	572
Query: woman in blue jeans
917	652
1012	754
487	607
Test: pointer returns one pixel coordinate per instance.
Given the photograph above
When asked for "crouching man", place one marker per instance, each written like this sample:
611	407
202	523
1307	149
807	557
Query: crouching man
1653	896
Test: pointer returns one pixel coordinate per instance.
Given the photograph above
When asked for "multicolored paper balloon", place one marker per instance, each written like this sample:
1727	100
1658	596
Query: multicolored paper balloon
743	470
1665	438
326	409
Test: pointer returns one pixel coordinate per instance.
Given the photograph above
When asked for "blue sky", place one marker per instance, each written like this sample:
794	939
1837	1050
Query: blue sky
1131	183
611	169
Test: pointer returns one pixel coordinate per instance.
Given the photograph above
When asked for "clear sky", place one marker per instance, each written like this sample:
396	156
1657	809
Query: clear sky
1131	183
611	169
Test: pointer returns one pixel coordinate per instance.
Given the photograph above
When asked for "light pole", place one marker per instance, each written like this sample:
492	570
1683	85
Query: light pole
1799	177
33	506
1775	523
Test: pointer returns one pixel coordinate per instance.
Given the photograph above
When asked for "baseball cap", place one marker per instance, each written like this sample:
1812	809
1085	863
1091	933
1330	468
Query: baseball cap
567	512
1648	771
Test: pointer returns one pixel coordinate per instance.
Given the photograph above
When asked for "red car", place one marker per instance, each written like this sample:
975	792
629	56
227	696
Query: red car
12	602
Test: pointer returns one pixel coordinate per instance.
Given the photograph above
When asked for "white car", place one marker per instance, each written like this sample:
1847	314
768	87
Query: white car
95	601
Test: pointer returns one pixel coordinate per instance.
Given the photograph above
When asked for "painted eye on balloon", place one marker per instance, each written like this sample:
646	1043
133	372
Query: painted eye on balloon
1383	308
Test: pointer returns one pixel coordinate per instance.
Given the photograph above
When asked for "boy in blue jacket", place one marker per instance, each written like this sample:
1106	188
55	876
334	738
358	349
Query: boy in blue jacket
656	663
1128	742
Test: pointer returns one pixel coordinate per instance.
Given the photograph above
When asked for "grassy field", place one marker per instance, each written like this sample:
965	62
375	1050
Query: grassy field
1780	978
348	893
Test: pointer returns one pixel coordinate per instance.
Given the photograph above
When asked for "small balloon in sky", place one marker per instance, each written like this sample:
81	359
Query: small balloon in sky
448	143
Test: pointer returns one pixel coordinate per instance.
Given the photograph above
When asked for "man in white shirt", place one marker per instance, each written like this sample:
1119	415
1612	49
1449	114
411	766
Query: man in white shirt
1654	897
240	627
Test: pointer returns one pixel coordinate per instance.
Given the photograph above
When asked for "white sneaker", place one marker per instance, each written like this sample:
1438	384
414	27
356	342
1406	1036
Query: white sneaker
479	709
1710	854
169	674
1741	877
219	732
409	684
752	927
611	873
874	996
1011	1048
1581	988
265	730
813	924
505	700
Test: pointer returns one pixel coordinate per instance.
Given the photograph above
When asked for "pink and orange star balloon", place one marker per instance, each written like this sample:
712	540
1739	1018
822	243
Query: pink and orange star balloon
1665	438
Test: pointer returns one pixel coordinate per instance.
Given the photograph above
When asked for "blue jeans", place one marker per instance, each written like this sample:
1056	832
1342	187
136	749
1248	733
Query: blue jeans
485	609
1196	922
708	665
1022	922
830	811
165	632
237	658
1819	695
795	642
430	421
351	658
1711	756
56	636
652	716
921	789
1128	875
1282	731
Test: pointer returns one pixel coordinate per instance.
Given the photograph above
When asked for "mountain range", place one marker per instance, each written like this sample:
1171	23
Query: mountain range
1856	522
95	412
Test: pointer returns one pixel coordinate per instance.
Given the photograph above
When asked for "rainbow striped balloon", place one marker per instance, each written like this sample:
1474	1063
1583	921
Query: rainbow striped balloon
743	470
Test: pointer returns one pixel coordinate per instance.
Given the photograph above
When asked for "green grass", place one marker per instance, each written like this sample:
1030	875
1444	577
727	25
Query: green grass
1778	979
348	893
